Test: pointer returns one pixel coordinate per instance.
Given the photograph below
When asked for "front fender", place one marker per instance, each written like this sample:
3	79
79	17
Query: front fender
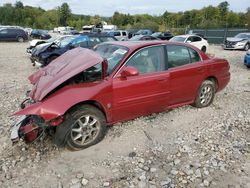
62	100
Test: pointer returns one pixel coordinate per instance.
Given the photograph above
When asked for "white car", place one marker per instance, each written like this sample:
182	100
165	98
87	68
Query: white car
121	35
194	40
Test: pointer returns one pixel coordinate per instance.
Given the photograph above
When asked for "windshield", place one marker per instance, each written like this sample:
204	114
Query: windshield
243	36
157	34
136	37
66	41
177	39
113	53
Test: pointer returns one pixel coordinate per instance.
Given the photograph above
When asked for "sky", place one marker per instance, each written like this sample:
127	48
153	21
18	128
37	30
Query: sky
153	7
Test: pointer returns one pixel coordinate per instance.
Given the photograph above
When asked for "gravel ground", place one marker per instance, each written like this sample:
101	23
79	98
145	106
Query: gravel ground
184	147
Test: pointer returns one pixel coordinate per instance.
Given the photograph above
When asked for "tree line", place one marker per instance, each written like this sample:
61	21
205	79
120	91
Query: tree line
207	17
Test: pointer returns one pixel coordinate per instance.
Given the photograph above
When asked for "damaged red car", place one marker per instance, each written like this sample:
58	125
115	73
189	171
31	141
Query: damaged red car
81	92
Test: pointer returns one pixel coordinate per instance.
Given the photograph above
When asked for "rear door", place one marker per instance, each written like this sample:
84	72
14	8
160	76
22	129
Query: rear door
145	93
5	35
187	71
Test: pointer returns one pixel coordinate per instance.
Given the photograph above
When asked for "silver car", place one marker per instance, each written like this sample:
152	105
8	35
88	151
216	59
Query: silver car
240	42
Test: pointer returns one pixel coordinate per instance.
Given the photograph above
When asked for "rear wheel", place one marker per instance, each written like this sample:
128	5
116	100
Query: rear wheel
204	49
86	126
205	94
20	39
247	46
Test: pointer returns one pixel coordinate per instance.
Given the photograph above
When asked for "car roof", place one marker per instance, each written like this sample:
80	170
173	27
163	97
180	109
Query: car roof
140	44
188	35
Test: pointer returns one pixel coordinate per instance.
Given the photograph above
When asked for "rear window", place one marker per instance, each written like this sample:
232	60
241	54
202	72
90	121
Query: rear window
177	39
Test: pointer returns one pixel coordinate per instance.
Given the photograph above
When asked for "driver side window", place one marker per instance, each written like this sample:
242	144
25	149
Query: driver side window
148	60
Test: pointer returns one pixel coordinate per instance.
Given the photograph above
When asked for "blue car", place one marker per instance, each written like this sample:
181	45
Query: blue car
247	59
43	54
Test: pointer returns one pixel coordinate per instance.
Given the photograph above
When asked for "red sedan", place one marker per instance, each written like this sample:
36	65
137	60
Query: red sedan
83	91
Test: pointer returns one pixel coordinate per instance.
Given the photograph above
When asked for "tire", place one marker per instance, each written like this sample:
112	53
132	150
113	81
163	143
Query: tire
204	49
20	39
247	47
205	94
85	126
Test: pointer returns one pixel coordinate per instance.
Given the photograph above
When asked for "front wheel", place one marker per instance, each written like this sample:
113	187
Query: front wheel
247	46
205	94
86	126
20	39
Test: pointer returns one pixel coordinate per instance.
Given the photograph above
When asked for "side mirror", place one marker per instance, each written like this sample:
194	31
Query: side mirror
189	41
129	71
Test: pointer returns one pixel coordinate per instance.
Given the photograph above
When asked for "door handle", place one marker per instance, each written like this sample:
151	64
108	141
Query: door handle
162	79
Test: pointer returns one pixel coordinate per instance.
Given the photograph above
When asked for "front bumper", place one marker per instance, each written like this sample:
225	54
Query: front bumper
233	47
14	135
36	62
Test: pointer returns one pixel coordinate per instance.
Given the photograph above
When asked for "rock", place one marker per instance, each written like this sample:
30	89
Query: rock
84	181
141	160
177	161
206	183
174	172
198	173
107	184
142	177
132	154
153	170
166	182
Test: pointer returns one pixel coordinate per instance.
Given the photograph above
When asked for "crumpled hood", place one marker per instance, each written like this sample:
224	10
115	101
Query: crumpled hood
62	69
233	39
33	42
41	48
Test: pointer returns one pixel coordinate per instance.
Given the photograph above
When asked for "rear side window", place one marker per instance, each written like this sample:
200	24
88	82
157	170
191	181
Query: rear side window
194	56
196	39
181	55
4	31
116	34
124	33
177	56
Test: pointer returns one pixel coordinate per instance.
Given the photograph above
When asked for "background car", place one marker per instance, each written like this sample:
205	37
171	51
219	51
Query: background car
240	42
119	34
144	32
43	54
37	42
83	91
194	40
163	35
39	34
247	59
143	37
13	34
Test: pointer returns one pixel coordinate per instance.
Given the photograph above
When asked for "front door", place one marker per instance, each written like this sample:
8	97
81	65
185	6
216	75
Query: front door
145	93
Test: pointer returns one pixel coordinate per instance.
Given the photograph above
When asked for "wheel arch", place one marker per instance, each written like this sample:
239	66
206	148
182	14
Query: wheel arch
89	102
214	80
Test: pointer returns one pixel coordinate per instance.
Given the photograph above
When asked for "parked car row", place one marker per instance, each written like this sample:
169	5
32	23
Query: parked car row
44	53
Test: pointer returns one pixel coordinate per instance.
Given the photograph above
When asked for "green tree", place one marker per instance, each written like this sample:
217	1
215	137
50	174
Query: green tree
64	14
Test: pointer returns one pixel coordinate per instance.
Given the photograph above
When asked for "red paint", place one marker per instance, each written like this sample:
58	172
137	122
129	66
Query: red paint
129	96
